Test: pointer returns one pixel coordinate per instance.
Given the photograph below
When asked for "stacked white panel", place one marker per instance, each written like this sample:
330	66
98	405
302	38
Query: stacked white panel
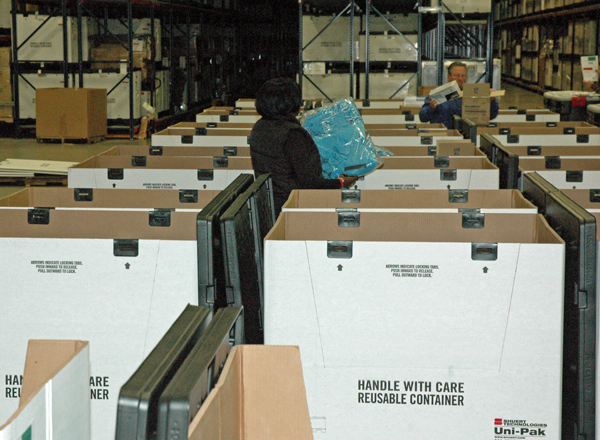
117	99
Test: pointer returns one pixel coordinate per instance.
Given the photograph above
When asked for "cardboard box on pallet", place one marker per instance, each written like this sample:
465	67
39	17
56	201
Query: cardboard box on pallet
486	201
65	113
155	172
54	400
113	277
393	342
432	173
260	394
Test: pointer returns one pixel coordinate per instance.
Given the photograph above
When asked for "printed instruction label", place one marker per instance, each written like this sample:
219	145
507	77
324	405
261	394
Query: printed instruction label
12	386
411	392
402	186
56	266
160	185
99	388
412	270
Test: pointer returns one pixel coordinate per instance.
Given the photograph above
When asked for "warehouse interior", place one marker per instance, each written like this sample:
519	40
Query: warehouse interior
152	289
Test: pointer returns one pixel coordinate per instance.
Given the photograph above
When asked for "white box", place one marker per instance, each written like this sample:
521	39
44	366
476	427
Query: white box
27	103
334	85
498	201
63	280
334	43
118	99
159	173
465	6
410	335
200	117
316	68
384	85
47	43
546	139
402	22
589	68
140	26
576	172
389	47
216	137
55	400
422	173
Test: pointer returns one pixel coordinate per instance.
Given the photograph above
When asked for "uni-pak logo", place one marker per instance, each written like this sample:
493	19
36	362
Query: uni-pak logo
505	428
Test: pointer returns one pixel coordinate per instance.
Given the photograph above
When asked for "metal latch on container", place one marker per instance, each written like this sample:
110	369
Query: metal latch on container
409	117
339	249
348	217
458	195
551	124
581	298
484	251
595	195
553	162
220	161
234	112
411	126
493	124
160	217
38	216
569	130
522	111
201	131
188	196
366	103
427	140
187	139
512	139
138	161
224	118
126	248
422	130
534	150
230	151
83	194
448	174
248	140
432	150
350	195
574	176
206	174
211	124
530	118
504	130
583	138
155	151
472	219
115	173
441	161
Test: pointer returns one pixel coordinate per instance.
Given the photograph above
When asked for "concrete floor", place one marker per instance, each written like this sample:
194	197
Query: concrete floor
29	148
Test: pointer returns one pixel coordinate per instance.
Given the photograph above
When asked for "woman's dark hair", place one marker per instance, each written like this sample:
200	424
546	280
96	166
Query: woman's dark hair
278	97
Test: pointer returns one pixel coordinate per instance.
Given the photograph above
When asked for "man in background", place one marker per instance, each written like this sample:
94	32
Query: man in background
434	112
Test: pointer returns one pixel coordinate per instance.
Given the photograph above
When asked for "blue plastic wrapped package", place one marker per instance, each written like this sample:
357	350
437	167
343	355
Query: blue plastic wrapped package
344	145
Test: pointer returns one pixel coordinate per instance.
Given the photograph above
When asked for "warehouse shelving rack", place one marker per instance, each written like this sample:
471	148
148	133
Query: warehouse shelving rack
552	22
464	38
225	36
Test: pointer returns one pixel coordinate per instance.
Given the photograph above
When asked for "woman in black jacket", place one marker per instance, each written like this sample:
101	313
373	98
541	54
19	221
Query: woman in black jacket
281	147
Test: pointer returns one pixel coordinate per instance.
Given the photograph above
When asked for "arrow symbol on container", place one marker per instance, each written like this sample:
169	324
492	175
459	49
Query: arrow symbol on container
485	270
127	265
340	267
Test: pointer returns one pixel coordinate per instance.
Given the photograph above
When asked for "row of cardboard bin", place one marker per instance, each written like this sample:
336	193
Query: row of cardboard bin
332	276
116	267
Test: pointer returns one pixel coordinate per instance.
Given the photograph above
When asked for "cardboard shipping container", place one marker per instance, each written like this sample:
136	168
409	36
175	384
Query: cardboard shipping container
417	324
65	113
209	137
506	201
581	172
54	400
260	394
547	139
432	173
138	150
155	172
112	277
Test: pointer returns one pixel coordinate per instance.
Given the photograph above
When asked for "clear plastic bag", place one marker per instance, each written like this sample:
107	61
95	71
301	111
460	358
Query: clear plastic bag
344	145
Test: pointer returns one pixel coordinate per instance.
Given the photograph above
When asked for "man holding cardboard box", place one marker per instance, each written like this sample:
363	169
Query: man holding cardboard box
436	110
